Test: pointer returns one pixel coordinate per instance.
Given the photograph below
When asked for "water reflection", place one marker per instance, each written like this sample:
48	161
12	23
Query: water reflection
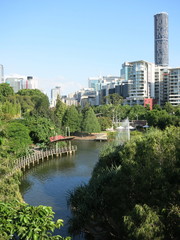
49	183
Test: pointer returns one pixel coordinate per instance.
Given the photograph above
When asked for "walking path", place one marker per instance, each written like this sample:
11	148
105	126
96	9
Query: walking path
32	159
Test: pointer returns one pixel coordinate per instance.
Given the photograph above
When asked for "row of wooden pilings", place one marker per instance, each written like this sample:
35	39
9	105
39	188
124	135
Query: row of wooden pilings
32	159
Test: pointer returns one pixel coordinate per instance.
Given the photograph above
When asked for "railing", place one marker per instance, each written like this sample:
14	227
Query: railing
32	159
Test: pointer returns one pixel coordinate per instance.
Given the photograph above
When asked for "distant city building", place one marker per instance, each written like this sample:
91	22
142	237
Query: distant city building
69	100
95	83
125	71
174	86
55	92
31	83
161	39
87	95
1	73
122	89
161	84
18	83
15	83
103	86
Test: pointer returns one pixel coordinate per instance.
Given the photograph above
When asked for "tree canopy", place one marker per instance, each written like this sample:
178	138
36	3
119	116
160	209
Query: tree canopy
134	190
39	99
40	128
72	119
18	138
22	221
90	122
59	111
5	90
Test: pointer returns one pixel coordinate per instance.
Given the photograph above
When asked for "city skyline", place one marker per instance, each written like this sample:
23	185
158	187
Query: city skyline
63	43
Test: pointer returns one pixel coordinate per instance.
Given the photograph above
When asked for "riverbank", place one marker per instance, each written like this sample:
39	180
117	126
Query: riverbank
93	137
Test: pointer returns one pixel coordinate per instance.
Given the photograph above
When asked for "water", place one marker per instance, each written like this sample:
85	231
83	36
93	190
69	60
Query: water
50	182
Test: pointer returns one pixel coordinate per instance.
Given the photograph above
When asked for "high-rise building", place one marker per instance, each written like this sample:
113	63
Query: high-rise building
141	82
31	83
161	39
174	86
15	83
161	84
21	82
55	92
1	73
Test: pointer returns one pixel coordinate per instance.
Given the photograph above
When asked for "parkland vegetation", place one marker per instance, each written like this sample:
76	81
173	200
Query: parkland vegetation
133	192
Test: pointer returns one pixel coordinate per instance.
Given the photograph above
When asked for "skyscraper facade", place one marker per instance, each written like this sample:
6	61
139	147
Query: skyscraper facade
1	73
55	92
161	39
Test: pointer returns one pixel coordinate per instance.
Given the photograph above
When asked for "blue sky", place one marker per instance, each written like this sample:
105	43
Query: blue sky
63	42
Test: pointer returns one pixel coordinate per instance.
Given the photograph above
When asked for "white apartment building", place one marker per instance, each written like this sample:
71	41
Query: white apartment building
141	81
16	83
174	86
31	83
21	82
147	80
55	92
69	101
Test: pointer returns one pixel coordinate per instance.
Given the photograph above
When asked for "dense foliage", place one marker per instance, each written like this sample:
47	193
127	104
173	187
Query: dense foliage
72	119
39	100
25	118
18	138
134	190
5	91
157	117
90	122
22	221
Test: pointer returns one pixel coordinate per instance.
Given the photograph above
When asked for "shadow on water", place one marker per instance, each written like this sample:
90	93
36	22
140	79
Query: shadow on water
50	182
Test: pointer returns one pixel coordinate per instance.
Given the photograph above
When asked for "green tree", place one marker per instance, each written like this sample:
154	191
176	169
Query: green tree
137	112
59	111
105	122
157	107
26	103
10	110
143	223
72	119
114	99
39	99
40	128
161	119
177	111
139	180
18	138
169	108
90	122
5	90
22	221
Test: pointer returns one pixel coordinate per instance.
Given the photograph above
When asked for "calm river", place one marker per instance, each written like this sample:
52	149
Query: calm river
49	183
